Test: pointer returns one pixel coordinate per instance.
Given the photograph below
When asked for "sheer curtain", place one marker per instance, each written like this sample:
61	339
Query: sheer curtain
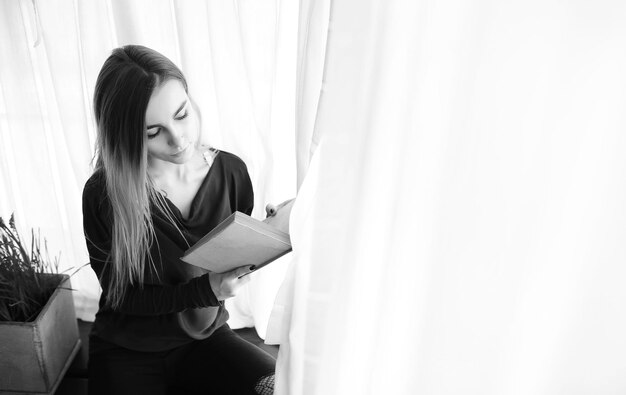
461	224
239	58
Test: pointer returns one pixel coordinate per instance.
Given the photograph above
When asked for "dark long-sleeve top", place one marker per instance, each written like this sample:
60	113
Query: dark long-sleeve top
175	304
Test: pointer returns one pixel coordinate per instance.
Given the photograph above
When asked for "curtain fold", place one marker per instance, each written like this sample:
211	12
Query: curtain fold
312	34
237	57
460	227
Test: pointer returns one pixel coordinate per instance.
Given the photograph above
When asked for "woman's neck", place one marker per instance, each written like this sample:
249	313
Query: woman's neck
160	169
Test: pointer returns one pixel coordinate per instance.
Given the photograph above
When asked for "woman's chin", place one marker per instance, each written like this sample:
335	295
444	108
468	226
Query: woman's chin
182	156
168	158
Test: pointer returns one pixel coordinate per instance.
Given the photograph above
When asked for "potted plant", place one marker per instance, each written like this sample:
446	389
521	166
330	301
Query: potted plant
38	329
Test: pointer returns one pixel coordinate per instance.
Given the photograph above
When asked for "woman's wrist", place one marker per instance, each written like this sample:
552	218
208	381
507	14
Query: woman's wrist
214	282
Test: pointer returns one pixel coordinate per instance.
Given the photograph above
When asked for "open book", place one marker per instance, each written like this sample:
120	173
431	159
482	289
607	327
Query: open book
241	240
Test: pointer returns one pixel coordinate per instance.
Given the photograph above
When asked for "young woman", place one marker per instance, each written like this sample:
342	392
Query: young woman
161	324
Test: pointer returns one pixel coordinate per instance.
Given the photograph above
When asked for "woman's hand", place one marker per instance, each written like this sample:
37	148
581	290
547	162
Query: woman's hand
271	210
278	216
225	285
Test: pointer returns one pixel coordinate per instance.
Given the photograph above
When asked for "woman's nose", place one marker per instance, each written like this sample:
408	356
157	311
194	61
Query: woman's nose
178	138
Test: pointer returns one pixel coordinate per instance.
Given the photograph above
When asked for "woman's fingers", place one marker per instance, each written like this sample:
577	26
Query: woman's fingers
243	270
226	285
270	210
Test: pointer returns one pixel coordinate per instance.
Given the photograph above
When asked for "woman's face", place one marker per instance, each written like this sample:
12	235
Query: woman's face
171	124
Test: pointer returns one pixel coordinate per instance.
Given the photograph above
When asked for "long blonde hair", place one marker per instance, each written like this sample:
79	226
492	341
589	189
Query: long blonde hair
123	89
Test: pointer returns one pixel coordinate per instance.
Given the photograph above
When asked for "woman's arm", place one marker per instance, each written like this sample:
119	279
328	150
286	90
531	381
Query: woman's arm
152	299
146	299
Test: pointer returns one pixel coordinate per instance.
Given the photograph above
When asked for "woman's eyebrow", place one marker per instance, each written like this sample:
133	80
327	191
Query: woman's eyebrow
175	112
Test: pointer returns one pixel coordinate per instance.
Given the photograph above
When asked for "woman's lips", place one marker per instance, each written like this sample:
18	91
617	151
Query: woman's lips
182	150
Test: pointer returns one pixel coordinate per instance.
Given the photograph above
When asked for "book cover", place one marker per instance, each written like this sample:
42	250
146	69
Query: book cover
239	240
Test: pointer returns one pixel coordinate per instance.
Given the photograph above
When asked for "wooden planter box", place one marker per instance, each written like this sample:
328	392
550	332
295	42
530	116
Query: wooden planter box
35	355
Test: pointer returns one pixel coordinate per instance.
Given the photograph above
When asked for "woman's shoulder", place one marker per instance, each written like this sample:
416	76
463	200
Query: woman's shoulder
95	186
95	181
228	159
95	197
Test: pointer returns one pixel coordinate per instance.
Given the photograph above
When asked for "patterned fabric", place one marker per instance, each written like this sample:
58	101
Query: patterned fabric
265	385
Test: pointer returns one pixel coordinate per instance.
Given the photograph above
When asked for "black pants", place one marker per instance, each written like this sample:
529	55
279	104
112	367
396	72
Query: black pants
222	364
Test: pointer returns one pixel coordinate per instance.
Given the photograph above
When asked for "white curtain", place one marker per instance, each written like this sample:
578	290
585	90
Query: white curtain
239	59
461	225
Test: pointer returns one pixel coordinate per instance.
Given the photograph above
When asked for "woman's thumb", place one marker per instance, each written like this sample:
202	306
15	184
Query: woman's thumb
244	270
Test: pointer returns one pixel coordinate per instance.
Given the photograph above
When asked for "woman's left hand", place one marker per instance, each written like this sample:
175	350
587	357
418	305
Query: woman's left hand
225	285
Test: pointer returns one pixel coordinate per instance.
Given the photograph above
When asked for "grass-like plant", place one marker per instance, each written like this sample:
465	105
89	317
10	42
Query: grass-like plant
24	290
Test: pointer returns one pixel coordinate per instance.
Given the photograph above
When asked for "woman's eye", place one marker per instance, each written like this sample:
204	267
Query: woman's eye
153	135
183	116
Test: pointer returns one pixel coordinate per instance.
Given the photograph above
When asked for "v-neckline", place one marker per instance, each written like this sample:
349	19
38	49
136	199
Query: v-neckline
193	203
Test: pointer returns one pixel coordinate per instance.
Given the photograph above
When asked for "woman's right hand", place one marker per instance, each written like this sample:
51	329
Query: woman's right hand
225	285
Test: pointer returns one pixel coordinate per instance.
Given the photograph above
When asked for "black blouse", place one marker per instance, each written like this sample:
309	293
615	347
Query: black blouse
175	303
